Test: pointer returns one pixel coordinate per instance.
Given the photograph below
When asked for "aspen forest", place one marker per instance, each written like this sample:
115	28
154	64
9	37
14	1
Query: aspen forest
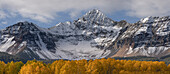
98	66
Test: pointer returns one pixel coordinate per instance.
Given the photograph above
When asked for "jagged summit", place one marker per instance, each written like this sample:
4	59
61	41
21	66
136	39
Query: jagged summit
94	13
94	17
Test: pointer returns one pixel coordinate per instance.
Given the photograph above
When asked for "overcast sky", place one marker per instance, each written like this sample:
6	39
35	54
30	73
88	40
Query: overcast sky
47	13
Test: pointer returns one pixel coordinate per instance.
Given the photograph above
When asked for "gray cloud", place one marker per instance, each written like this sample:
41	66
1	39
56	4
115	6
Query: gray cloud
145	8
46	10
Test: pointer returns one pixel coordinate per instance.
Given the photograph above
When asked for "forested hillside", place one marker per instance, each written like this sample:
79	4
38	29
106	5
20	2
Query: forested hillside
5	57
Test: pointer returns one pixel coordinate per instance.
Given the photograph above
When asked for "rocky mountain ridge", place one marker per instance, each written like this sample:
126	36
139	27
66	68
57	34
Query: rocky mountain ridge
92	36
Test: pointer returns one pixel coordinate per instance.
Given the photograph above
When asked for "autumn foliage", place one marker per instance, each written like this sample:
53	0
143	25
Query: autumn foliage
98	66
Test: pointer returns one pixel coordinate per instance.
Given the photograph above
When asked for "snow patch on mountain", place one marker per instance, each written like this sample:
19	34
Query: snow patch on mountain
6	43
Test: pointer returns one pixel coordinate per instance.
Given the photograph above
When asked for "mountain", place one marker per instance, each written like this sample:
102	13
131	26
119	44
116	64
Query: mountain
148	37
92	36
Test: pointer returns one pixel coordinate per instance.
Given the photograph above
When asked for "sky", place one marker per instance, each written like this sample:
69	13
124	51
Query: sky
48	13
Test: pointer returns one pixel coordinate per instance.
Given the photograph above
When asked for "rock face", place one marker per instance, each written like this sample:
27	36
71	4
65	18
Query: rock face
148	37
90	37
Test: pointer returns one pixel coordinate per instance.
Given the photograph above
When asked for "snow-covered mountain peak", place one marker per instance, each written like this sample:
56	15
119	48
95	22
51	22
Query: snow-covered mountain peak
94	19
94	16
93	12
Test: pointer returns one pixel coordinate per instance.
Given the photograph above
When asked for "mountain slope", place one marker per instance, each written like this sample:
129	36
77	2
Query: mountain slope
149	37
90	37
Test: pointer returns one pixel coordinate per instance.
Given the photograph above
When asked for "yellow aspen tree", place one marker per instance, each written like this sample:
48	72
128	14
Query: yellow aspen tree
18	66
128	65
162	65
137	66
81	66
69	68
11	68
95	67
52	66
110	65
169	67
58	66
34	68
26	69
105	65
144	66
2	67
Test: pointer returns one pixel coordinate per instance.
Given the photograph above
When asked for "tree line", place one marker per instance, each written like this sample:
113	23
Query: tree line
97	66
